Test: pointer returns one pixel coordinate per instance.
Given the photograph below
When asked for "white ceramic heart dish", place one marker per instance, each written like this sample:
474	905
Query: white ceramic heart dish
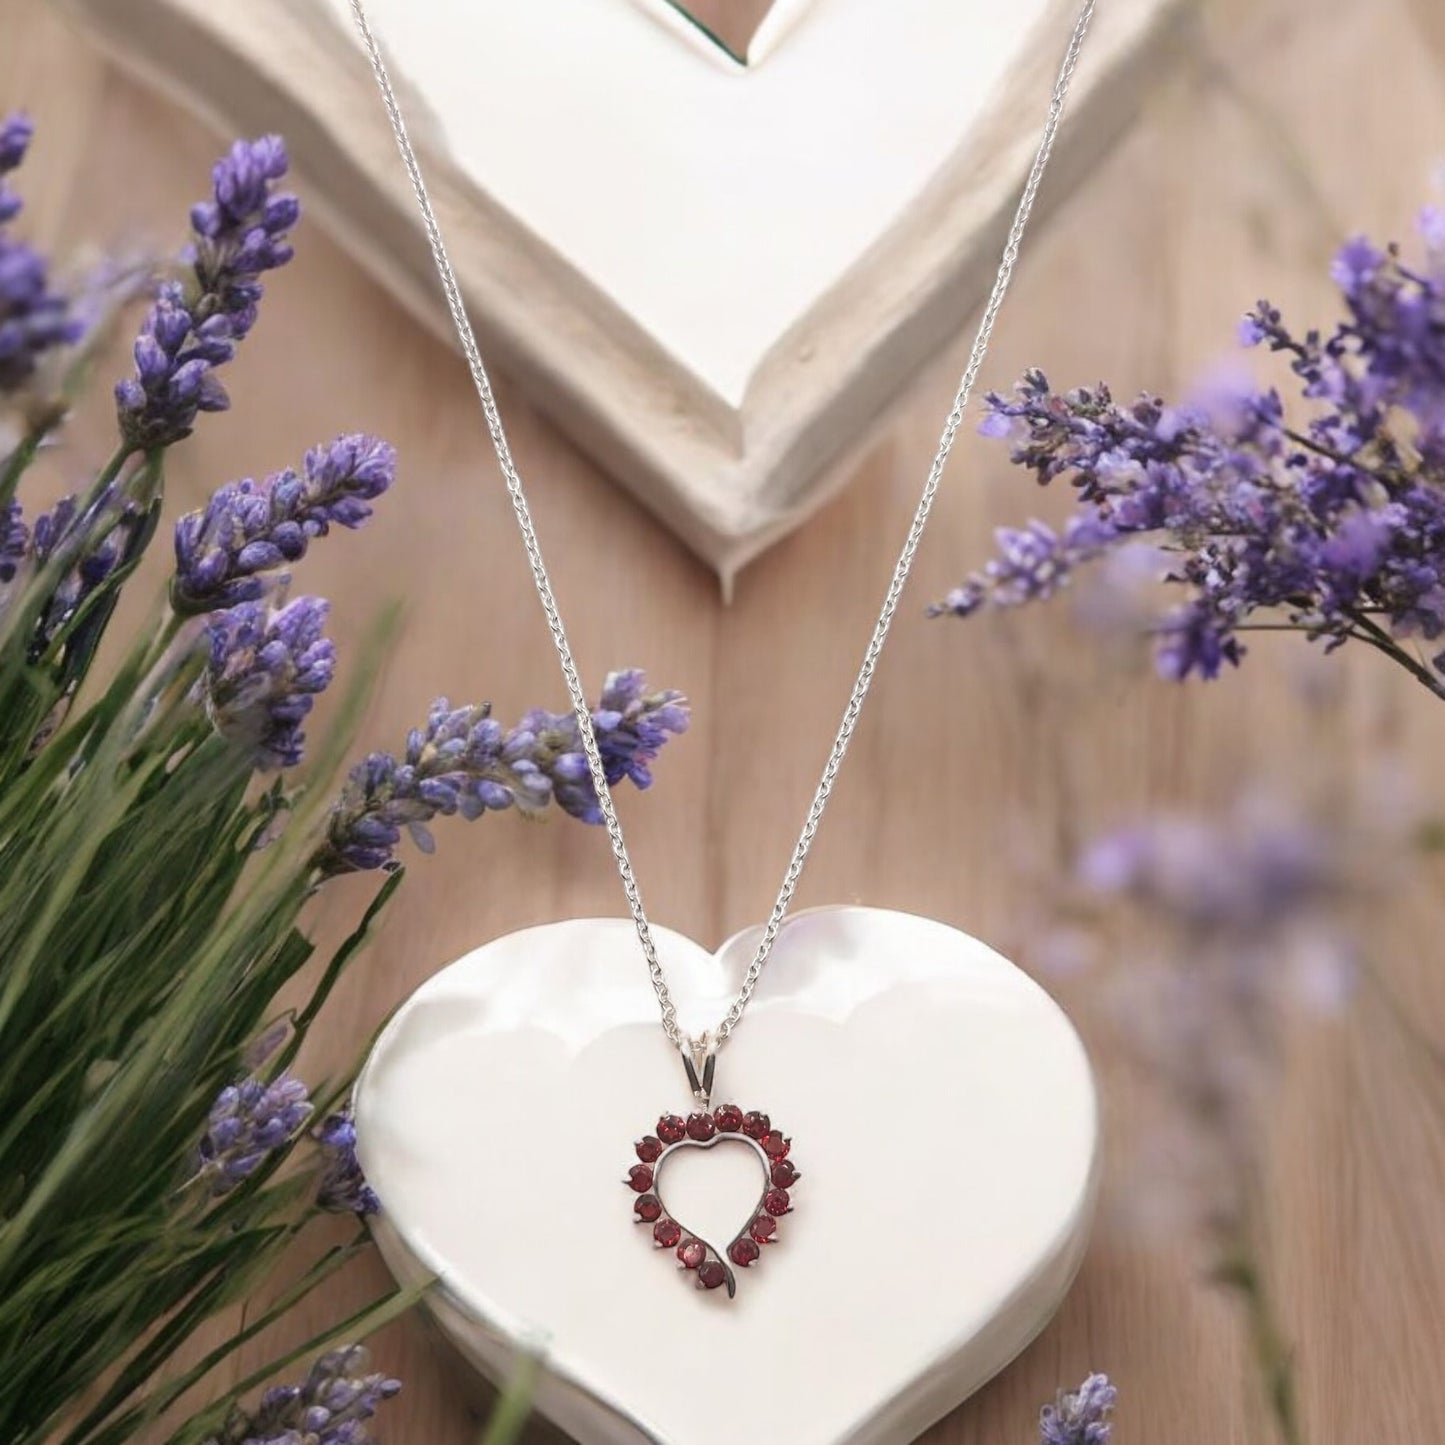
945	1127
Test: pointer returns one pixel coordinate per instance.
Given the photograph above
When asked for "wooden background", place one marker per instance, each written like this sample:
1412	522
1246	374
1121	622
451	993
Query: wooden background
986	748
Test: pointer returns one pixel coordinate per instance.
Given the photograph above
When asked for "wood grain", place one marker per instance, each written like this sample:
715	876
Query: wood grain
985	748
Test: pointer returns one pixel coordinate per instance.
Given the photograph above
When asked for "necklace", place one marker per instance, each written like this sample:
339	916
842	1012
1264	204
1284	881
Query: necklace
706	1127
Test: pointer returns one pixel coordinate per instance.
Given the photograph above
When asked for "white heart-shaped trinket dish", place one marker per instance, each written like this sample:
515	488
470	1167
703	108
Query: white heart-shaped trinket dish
944	1140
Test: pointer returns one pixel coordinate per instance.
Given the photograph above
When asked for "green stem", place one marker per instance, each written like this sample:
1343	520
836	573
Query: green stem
509	1416
107	474
1340	458
1269	1346
336	966
1376	636
15	464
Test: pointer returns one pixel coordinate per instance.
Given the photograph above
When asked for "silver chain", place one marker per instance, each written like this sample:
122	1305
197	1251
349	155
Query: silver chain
708	1043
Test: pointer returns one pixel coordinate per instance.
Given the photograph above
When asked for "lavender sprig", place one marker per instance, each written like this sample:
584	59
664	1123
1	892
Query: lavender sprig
33	319
103	536
263	674
332	1407
1080	1417
240	234
465	762
343	1188
1334	527
249	529
249	1121
1253	917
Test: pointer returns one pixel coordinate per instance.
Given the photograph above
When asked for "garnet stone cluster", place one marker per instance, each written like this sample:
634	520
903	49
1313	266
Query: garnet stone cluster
725	1124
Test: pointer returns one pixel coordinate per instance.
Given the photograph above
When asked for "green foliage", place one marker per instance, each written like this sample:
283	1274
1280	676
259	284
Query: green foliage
150	906
143	936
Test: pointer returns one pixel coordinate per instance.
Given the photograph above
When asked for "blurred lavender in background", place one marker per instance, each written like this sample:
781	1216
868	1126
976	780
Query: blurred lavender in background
33	318
1224	933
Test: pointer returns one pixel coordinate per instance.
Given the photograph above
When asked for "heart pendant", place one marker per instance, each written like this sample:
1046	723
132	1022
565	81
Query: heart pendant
726	1124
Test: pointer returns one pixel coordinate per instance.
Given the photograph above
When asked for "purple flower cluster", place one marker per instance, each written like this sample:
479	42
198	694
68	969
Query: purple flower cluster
100	537
1334	527
249	1121
631	724
249	529
33	319
465	762
264	671
1080	1417
1235	882
343	1188
333	1407
240	234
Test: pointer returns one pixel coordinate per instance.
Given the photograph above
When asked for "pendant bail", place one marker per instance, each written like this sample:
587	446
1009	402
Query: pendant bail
700	1061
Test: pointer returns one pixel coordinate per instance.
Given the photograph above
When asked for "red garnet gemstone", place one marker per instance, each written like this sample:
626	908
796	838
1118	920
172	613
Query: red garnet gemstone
700	1127
743	1252
775	1201
666	1233
774	1145
670	1128
639	1177
729	1118
648	1208
762	1229
755	1125
648	1148
783	1175
691	1253
711	1275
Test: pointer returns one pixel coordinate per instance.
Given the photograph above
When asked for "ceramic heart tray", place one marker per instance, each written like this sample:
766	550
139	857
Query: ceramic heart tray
715	278
944	1132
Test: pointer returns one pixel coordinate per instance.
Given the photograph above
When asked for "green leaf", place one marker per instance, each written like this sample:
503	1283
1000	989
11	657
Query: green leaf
514	1408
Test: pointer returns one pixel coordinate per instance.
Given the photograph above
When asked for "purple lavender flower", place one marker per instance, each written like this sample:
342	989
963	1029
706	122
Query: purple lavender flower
16	132
1334	528
14	537
249	1121
175	364
1250	874
263	674
240	234
106	535
465	762
1034	563
252	528
343	1188
1080	1417
631	725
33	319
333	1407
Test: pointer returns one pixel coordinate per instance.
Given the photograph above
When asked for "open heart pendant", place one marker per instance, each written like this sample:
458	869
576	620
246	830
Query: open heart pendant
727	1124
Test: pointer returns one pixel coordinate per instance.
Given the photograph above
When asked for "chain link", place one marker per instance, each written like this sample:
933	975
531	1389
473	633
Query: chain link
715	1038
